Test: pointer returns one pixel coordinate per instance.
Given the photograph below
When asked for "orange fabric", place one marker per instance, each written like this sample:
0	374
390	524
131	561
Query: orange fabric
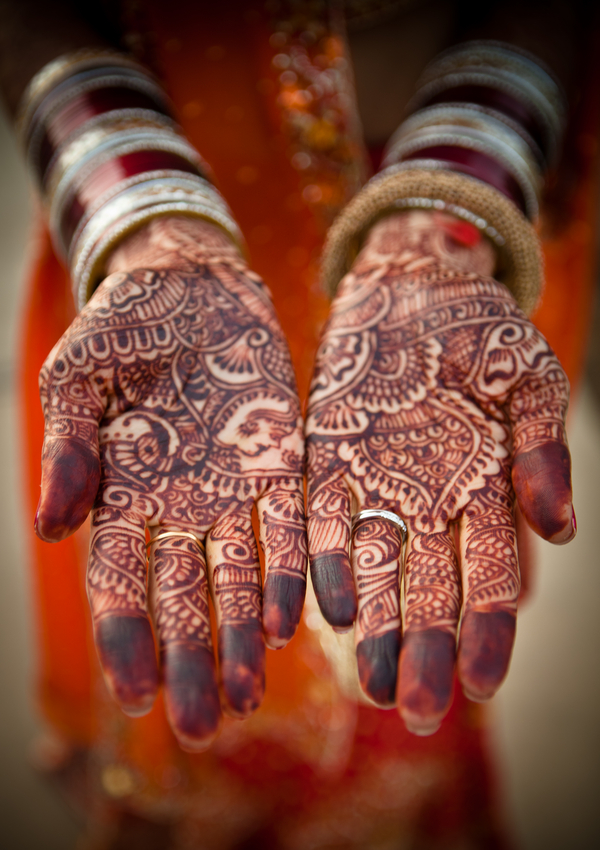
63	636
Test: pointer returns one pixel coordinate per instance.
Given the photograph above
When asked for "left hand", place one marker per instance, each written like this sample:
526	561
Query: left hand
431	388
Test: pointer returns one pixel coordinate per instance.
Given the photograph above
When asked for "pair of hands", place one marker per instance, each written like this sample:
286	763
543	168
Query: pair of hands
171	405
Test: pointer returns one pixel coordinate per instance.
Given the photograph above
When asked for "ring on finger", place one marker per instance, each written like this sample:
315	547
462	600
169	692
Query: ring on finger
164	535
379	513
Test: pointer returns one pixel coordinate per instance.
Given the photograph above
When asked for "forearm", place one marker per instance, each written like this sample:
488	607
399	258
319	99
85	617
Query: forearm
388	58
552	30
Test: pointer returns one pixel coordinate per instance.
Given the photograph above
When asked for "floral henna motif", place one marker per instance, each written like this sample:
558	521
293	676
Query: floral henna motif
170	404
431	387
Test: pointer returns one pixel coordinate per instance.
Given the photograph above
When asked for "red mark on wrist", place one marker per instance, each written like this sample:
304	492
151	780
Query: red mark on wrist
462	232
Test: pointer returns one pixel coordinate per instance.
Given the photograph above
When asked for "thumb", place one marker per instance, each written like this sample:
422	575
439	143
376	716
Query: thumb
73	405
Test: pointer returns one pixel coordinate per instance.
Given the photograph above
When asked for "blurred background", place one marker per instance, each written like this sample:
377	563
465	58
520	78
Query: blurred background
544	725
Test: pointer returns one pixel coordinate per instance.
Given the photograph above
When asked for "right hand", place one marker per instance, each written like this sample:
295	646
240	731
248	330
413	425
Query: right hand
170	405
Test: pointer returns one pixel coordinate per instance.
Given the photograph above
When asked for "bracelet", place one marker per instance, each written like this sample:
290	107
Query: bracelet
486	120
130	209
407	187
82	177
59	69
472	127
505	148
487	111
501	77
77	100
109	157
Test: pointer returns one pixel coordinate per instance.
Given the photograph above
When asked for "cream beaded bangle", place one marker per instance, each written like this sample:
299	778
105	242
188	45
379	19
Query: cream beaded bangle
410	187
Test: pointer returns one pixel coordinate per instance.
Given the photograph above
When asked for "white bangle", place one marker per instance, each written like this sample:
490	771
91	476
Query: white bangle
131	209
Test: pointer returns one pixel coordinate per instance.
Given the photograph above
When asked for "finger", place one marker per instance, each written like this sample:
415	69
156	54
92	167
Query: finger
183	625
376	550
116	583
73	405
328	541
233	564
282	527
541	471
491	584
432	610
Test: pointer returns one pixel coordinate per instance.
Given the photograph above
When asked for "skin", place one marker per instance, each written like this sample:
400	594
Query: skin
433	396
171	405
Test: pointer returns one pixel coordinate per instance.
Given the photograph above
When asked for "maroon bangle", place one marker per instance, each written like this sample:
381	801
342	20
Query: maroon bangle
478	165
111	173
500	101
83	107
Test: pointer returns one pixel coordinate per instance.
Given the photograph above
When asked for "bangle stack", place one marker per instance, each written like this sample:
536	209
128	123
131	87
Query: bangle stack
486	123
108	157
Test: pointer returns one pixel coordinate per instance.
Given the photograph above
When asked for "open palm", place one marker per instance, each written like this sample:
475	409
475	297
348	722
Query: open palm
430	389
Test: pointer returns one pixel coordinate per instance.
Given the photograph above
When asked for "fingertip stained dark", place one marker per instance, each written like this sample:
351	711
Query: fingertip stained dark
242	663
69	487
334	588
191	692
377	659
128	657
427	672
283	600
542	480
485	648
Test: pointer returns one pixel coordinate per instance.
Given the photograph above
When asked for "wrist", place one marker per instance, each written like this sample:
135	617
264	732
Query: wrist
176	241
420	238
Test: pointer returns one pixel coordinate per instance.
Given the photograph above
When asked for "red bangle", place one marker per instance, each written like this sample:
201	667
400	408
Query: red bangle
500	101
81	109
478	165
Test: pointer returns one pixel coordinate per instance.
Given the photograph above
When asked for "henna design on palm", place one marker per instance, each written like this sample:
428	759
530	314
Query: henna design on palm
171	404
430	389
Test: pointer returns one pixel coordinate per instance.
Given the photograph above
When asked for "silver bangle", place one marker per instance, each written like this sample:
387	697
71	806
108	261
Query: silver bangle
525	173
452	209
106	141
133	117
497	54
437	204
70	184
505	81
476	117
129	210
62	248
71	88
61	68
139	194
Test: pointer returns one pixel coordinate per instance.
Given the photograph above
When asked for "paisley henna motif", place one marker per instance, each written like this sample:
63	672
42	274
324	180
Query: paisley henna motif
170	404
430	387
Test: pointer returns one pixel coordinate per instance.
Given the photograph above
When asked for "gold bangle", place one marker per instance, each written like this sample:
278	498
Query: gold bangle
170	534
521	267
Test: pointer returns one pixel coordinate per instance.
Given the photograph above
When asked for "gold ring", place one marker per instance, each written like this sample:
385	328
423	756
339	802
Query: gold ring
169	534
